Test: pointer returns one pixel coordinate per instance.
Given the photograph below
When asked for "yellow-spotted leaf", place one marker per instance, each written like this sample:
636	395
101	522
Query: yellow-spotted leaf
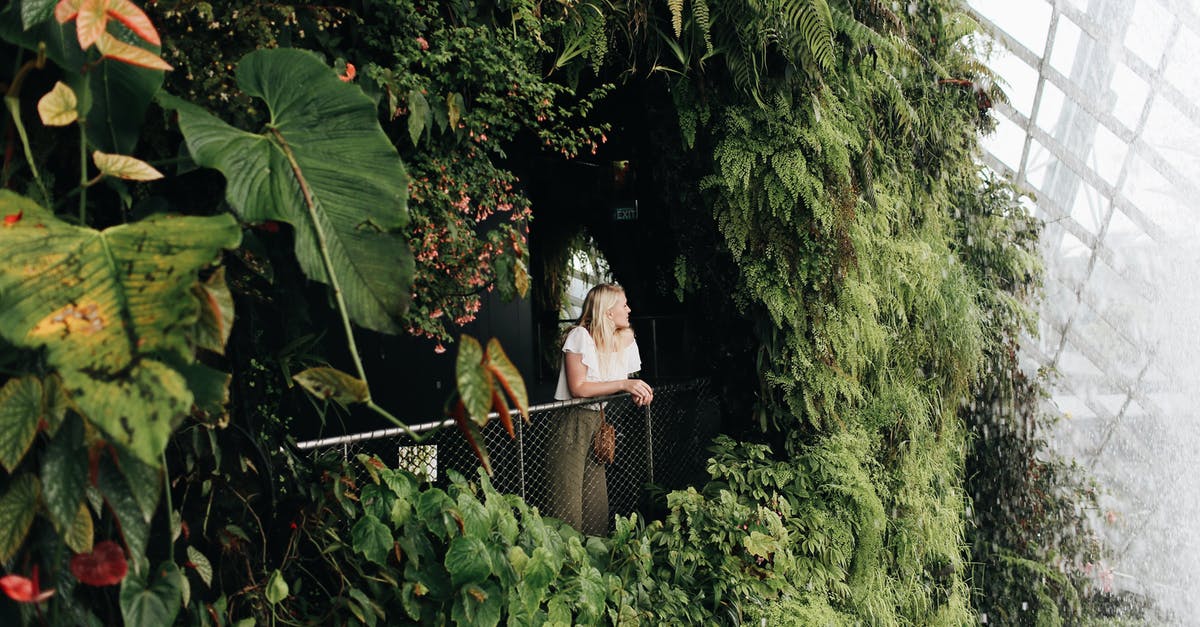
125	167
332	384
59	107
105	307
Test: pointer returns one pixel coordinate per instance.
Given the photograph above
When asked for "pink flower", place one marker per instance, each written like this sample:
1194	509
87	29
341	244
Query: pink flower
439	349
422	43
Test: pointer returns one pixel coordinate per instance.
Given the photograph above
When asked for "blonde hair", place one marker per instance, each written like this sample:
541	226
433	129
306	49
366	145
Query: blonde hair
603	330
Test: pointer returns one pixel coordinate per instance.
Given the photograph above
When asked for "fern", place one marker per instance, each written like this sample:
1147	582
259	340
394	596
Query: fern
812	19
700	14
676	7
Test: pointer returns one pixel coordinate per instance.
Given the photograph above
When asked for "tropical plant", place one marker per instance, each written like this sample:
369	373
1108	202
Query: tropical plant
108	322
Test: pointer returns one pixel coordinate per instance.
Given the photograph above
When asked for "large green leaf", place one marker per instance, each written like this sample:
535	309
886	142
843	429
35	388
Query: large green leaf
20	411
106	306
467	561
157	603
119	93
322	165
372	538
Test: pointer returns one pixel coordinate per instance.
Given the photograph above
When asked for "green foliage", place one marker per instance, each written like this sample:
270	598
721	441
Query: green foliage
111	310
418	553
883	282
348	216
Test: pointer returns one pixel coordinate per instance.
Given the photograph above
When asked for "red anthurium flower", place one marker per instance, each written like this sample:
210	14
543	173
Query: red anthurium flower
104	566
24	589
13	218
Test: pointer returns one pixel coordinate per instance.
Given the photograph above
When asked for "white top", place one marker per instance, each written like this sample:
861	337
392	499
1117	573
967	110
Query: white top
620	364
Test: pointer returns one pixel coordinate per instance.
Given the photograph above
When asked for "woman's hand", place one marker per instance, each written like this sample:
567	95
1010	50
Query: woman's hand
642	393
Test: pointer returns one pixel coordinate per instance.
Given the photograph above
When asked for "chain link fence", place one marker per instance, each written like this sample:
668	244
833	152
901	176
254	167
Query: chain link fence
661	444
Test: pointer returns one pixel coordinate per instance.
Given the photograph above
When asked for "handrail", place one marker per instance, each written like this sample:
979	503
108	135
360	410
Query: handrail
438	424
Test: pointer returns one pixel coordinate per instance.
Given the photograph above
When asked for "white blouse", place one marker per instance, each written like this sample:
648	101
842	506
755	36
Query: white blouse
620	364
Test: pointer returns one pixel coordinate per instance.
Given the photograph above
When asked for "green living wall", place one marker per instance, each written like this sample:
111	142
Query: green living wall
321	173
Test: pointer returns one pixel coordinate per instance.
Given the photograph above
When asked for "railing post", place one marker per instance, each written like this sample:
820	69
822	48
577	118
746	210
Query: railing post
649	446
521	454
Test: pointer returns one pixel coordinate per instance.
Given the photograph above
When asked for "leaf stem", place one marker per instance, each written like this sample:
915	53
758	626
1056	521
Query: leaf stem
83	180
170	507
335	285
14	108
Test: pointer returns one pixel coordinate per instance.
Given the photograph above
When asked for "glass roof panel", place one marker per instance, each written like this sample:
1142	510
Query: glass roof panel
1113	161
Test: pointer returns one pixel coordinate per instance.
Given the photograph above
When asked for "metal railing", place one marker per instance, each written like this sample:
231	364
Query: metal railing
662	444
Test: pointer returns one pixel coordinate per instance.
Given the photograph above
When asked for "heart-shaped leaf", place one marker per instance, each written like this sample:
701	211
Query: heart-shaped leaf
58	106
324	166
277	587
102	303
17	507
467	560
20	411
372	538
125	167
152	603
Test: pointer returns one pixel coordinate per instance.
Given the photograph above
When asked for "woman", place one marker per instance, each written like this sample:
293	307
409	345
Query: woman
599	354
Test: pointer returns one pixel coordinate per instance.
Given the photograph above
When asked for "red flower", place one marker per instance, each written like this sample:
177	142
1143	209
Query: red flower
23	589
350	73
104	566
13	218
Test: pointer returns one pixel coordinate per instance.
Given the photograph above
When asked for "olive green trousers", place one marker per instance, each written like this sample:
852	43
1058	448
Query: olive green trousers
578	492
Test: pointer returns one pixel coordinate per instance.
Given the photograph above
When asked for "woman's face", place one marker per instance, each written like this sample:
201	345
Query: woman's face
619	312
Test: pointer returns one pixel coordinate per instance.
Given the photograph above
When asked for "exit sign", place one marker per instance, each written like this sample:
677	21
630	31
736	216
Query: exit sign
625	213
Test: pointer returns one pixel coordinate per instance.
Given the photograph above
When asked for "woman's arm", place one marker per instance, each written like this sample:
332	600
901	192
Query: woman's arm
582	388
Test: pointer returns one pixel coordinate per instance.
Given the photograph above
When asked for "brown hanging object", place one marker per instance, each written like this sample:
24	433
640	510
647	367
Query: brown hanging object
604	443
